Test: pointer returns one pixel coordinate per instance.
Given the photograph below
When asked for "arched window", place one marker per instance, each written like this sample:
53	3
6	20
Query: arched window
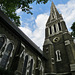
31	64
58	55
50	30
25	65
2	41
52	60
47	50
46	34
54	28
6	55
59	26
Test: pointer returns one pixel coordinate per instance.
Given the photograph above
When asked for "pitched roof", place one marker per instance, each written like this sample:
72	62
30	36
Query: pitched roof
19	33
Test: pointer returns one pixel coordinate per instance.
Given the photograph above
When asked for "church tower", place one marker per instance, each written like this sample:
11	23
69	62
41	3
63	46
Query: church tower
58	47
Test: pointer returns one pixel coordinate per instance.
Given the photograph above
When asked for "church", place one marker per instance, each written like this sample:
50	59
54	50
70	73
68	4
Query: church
19	54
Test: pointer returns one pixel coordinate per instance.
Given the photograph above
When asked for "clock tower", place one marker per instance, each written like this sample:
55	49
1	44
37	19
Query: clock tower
58	47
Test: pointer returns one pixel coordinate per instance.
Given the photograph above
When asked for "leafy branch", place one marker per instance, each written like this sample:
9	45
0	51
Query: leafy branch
10	6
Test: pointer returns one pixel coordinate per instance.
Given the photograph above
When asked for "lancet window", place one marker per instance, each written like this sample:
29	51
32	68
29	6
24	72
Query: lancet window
58	55
59	26
6	55
2	41
50	30
54	28
31	64
25	65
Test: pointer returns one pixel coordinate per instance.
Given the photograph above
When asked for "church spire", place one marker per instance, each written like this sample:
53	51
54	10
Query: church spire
54	14
55	23
58	46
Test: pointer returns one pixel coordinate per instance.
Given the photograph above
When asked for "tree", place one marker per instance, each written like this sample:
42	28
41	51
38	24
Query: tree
10	6
73	29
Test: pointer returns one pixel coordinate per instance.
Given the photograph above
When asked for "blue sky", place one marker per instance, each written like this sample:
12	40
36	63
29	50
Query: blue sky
34	25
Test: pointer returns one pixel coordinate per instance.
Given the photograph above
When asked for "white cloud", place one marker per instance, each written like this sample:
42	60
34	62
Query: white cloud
68	12
38	34
31	19
27	31
18	11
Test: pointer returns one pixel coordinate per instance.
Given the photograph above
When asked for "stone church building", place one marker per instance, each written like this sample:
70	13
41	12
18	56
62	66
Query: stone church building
20	55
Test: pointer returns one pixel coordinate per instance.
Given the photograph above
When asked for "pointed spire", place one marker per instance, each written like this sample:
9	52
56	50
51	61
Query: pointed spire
54	14
52	4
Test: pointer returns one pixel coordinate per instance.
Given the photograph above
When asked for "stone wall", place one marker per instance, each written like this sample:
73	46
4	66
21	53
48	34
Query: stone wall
16	54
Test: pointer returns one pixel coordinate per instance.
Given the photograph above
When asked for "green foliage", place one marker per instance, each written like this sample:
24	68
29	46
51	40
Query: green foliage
10	6
73	29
